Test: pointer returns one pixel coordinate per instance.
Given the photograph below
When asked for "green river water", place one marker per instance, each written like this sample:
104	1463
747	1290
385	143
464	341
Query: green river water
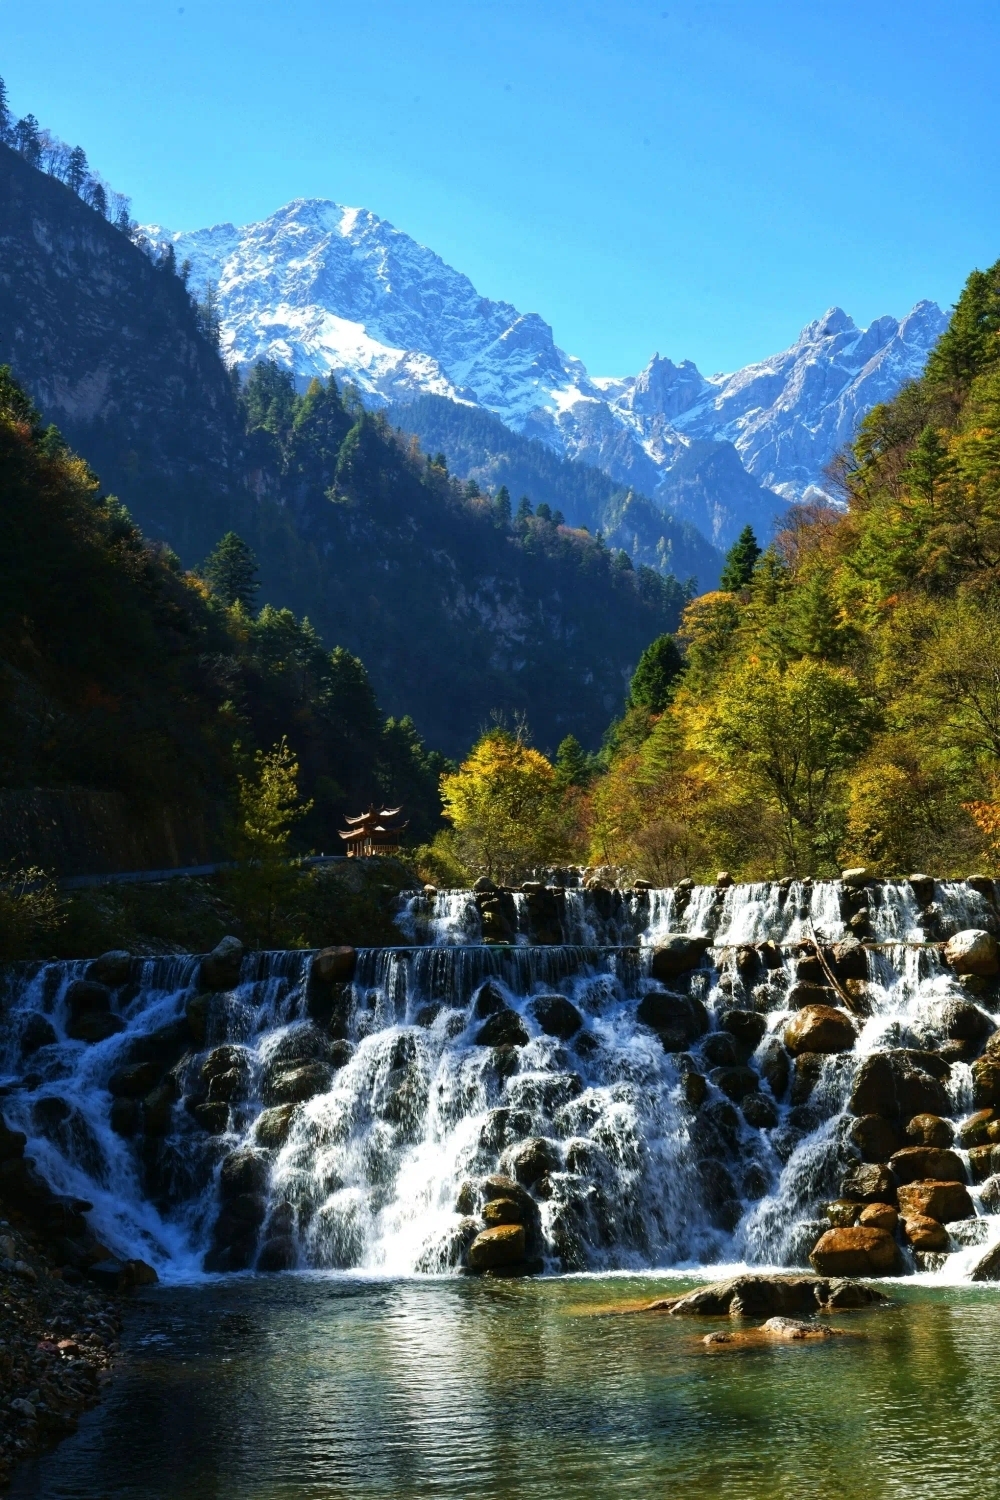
300	1387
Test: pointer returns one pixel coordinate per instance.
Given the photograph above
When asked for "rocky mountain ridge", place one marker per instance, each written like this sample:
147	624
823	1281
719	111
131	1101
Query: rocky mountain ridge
324	289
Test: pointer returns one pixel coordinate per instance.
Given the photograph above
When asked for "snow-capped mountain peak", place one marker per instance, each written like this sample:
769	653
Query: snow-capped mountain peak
326	289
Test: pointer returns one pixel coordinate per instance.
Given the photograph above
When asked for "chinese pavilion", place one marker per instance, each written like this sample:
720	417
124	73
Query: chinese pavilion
374	832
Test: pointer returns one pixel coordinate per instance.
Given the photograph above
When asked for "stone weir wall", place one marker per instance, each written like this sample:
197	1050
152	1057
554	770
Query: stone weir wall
775	1074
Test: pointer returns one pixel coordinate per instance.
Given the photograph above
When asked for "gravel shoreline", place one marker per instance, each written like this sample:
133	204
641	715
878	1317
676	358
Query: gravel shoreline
58	1342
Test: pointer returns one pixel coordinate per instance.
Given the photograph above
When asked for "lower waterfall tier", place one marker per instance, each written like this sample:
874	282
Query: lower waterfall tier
581	1107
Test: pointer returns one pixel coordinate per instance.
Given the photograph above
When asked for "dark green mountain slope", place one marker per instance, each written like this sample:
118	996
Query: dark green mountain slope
479	446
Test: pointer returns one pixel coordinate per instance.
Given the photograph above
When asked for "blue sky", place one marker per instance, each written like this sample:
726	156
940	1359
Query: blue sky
699	179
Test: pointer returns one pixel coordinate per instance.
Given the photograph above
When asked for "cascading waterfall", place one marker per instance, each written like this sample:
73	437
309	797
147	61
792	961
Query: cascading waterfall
296	1121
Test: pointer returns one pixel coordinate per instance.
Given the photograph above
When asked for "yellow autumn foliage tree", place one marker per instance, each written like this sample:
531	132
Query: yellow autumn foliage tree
502	804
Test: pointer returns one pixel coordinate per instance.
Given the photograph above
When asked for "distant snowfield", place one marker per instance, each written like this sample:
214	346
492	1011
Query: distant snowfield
323	289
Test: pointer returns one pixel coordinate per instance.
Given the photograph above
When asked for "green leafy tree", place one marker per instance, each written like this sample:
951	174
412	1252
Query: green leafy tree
652	682
231	571
741	559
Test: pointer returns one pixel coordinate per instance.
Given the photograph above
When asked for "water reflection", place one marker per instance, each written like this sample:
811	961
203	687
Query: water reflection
297	1388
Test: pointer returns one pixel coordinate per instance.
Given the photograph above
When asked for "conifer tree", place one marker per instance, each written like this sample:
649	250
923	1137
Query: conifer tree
572	765
523	508
231	571
501	505
77	170
651	683
5	125
741	559
26	140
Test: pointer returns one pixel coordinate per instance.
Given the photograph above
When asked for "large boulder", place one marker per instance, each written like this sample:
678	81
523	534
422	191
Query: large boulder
556	1016
12	1142
747	1026
37	1031
272	1126
930	1130
296	1084
678	955
875	1137
869	1184
133	1082
498	1247
502	1029
243	1171
879	1216
820	1028
333	965
984	1162
678	1020
94	1026
943	1201
973	951
849	959
961	1021
980	1129
859	1251
986	1083
924	1233
111	968
220	969
918	1163
807	992
736	1082
899	1084
988	1268
530	1160
87	997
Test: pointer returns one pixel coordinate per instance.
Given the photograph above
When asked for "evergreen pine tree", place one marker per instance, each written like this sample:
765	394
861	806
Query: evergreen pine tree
501	505
77	170
523	508
27	141
5	125
571	763
741	559
231	571
651	683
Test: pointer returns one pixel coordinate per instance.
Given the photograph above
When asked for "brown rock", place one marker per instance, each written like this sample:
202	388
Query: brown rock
985	1083
502	1246
930	1130
925	1234
861	1251
763	1296
899	1084
879	1216
849	960
334	965
980	1129
987	1269
502	1211
869	1184
842	1212
983	1162
973	952
806	992
943	1201
876	1138
220	969
819	1028
859	997
920	1163
677	956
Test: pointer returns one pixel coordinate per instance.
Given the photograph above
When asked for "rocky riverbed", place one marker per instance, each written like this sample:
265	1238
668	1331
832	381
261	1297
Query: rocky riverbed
57	1345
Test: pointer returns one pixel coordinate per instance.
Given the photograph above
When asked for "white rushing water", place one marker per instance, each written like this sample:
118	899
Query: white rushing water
628	1167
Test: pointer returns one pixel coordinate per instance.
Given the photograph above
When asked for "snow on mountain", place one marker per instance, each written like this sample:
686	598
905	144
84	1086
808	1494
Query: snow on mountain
325	289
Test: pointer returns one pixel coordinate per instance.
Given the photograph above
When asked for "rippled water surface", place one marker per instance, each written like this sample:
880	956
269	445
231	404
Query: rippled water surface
300	1386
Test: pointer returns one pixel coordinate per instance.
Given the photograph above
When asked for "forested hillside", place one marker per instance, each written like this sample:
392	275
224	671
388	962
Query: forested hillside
122	674
843	705
457	612
480	447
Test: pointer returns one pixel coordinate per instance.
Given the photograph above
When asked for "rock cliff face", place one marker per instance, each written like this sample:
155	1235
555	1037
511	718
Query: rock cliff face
109	347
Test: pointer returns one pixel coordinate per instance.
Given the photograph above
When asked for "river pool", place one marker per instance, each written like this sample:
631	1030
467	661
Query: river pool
298	1387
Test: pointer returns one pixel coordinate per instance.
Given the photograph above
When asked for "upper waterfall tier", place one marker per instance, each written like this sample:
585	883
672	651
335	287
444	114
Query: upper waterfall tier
725	1095
782	911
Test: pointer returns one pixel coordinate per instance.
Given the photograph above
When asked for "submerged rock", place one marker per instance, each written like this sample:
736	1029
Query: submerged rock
764	1296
